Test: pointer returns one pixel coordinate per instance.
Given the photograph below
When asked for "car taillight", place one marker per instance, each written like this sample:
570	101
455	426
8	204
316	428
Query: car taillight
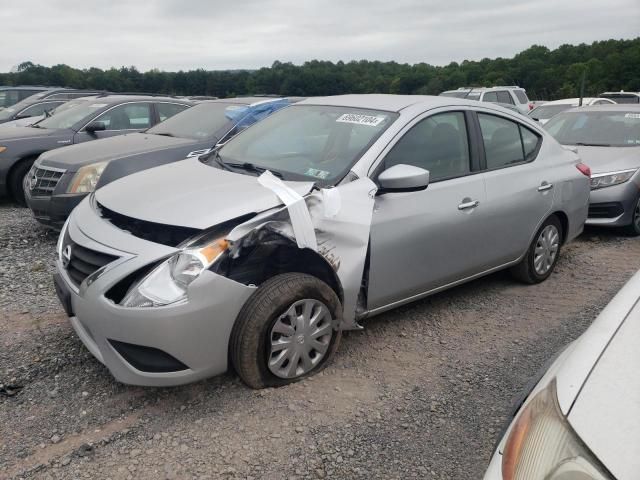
584	169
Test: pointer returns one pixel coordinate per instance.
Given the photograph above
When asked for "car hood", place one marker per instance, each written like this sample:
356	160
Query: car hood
606	414
120	146
609	159
19	133
190	194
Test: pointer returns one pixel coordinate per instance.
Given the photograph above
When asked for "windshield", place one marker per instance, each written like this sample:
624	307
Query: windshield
605	128
9	97
69	116
309	142
470	95
200	122
545	112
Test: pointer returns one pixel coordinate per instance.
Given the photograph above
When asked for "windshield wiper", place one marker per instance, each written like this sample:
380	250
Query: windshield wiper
250	167
580	144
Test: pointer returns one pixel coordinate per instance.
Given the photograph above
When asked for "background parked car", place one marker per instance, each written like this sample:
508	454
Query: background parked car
512	95
26	122
40	103
179	243
581	419
12	95
622	96
544	112
608	140
91	119
82	168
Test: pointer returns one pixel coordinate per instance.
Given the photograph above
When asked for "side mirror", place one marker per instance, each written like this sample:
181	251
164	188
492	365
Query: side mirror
403	178
95	127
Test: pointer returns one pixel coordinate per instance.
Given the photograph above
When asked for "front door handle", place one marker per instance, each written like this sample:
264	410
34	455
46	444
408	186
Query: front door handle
467	204
544	186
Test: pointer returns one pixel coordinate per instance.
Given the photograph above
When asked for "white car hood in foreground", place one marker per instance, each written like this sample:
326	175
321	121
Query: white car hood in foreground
606	414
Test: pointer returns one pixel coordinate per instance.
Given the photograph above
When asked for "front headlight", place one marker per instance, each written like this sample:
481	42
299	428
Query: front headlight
542	445
167	284
602	180
86	178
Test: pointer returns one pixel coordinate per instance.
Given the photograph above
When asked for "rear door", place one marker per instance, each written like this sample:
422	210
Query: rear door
426	239
124	118
519	189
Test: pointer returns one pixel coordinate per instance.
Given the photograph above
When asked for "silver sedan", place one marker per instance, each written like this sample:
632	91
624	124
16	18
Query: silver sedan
333	210
582	418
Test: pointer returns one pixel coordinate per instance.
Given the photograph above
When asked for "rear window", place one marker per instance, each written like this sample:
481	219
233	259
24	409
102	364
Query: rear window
521	96
621	98
545	112
597	128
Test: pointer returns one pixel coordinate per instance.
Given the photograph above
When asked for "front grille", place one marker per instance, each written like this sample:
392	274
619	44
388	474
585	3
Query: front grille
605	210
82	262
42	181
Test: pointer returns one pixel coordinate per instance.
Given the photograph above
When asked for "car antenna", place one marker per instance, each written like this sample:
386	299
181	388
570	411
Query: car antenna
584	75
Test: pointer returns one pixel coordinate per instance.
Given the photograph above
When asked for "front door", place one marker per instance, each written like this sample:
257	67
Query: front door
427	239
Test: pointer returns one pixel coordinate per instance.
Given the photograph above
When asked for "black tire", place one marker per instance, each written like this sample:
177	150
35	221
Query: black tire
633	229
525	270
249	343
16	177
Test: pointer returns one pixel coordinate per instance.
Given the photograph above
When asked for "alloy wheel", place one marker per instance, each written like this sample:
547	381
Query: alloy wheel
300	338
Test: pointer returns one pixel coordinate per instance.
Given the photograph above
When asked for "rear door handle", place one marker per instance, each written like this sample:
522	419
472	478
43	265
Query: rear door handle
544	186
468	204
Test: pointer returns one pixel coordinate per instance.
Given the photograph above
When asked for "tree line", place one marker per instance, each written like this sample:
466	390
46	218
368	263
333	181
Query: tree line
546	74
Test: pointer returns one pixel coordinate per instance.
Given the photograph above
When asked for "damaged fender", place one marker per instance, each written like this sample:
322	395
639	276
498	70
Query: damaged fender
333	222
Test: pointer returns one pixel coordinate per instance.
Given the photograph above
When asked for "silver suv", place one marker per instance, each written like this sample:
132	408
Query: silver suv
510	95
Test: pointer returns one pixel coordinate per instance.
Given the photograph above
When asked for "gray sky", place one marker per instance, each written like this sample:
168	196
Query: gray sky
212	34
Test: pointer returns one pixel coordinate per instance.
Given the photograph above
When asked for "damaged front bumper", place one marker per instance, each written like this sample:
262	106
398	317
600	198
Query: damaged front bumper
159	346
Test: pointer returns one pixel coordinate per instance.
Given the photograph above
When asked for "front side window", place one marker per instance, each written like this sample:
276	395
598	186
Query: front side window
505	142
438	143
166	110
521	96
129	116
309	142
597	128
504	97
490	97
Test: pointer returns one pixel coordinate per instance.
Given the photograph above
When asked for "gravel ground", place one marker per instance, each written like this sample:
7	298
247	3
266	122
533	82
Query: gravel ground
422	392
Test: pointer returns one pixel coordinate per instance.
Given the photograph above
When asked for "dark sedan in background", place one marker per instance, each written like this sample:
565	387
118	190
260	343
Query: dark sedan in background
80	169
41	103
607	138
91	119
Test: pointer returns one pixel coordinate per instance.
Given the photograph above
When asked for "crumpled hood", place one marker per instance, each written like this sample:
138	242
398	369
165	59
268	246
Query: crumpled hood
609	159
18	133
75	156
190	194
606	414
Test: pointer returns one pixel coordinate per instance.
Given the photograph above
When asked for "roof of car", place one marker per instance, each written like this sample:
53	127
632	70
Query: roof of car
387	102
613	107
27	87
571	101
136	98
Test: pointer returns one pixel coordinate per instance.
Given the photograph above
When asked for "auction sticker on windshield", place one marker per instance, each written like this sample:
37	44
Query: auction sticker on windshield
632	115
371	120
312	172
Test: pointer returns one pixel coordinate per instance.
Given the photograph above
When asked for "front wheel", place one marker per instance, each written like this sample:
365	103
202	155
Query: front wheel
543	253
16	179
286	331
633	229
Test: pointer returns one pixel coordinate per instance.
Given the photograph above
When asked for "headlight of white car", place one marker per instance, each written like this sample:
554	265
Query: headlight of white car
602	180
542	444
87	177
167	283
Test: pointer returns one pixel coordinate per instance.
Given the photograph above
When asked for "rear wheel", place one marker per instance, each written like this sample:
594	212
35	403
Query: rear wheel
542	256
285	331
16	177
633	228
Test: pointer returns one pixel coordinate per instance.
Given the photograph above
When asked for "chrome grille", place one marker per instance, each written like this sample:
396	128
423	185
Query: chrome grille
80	262
42	181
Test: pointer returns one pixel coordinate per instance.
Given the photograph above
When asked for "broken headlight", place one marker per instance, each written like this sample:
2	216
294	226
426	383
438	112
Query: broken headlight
167	283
